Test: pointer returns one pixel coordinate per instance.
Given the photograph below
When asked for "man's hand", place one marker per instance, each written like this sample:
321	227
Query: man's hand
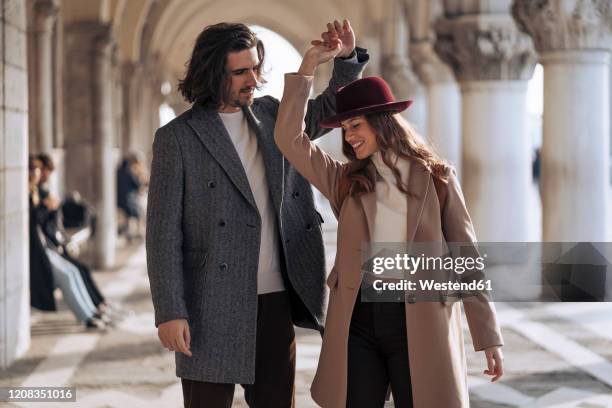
495	360
174	336
336	31
317	55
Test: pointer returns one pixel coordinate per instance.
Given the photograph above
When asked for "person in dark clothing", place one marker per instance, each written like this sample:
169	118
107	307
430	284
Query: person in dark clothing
57	238
129	184
48	269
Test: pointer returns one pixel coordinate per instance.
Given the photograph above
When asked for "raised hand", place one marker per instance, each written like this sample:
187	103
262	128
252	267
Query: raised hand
319	54
343	32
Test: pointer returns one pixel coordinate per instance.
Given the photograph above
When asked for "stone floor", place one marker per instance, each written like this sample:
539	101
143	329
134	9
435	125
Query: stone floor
556	355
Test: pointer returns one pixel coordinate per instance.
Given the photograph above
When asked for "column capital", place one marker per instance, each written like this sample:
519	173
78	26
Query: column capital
484	47
427	65
87	36
45	13
565	24
397	72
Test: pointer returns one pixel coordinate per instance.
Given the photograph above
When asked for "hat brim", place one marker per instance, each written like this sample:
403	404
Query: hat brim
336	120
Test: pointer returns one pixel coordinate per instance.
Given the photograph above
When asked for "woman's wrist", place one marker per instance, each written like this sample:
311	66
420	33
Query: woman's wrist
307	67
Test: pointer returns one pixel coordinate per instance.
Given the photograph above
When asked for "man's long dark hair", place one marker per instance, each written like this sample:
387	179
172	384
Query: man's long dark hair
206	80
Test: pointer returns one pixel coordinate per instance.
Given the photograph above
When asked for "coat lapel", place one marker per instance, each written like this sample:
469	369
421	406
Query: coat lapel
272	157
209	128
418	184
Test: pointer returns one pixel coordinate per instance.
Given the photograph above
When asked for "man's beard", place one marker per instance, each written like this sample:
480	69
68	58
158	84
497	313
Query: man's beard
237	102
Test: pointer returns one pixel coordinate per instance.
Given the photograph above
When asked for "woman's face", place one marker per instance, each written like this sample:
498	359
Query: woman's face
360	135
34	176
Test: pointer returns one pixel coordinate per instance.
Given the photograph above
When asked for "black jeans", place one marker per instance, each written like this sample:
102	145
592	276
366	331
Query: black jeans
378	356
274	363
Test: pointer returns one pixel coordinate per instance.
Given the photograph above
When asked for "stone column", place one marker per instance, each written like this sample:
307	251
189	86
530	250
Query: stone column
129	73
89	130
443	96
573	39
443	102
14	240
117	99
154	80
177	103
492	61
44	13
396	68
57	183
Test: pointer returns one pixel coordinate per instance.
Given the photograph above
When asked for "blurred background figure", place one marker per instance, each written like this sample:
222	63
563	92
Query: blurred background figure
131	181
52	267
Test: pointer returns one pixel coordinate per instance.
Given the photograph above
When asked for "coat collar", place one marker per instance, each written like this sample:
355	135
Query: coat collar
209	128
418	183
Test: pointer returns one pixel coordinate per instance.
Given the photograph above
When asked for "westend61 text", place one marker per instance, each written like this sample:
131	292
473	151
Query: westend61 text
431	284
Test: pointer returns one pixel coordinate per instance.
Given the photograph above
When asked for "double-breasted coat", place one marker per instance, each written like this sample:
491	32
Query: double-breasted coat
204	231
435	339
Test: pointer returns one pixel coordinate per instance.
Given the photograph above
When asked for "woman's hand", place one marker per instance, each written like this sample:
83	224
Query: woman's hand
495	364
343	32
319	54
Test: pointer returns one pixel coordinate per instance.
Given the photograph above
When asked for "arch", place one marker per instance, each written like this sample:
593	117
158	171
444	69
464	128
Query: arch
129	28
91	10
180	23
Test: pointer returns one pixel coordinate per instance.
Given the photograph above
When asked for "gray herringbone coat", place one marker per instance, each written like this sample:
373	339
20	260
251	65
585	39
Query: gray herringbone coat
203	231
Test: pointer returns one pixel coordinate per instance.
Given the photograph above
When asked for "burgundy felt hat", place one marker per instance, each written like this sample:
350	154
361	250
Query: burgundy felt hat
366	95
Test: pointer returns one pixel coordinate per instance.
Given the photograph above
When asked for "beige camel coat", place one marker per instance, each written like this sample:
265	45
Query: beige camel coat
435	340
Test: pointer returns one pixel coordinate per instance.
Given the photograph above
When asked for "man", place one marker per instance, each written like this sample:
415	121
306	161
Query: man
130	180
234	247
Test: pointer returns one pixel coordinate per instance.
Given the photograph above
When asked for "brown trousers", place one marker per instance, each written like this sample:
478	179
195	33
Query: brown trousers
274	363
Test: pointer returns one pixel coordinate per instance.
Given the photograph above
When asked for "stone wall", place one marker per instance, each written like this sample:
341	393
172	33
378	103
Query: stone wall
14	261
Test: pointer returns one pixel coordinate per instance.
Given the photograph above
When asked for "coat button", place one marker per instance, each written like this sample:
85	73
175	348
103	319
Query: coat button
295	194
223	266
222	223
212	184
308	227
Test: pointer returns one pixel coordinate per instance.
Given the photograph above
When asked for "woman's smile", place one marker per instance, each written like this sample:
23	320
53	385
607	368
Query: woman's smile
357	144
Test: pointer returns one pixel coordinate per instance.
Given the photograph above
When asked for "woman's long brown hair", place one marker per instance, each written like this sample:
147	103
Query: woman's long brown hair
394	136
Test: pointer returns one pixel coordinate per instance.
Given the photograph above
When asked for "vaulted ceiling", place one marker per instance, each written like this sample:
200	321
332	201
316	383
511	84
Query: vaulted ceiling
167	29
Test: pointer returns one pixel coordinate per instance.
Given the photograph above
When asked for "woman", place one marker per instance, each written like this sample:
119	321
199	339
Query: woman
48	269
391	179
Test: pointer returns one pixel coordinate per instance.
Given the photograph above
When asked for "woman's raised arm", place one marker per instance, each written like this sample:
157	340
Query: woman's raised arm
318	167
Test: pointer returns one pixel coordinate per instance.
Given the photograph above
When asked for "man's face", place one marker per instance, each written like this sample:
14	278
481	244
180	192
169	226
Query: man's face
241	69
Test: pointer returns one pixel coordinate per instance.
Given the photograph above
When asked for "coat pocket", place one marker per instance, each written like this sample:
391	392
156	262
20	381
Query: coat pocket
194	274
194	259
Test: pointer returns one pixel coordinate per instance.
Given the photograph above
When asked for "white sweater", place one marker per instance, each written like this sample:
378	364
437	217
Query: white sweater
269	278
391	206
